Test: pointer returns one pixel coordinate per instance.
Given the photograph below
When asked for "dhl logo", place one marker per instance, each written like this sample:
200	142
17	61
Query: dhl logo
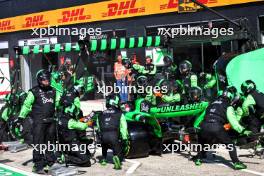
35	21
123	8
6	25
174	3
73	15
170	5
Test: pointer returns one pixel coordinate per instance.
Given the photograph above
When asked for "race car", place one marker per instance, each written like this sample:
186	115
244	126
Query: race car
167	122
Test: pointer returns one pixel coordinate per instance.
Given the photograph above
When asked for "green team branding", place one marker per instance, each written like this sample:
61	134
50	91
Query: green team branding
7	172
177	108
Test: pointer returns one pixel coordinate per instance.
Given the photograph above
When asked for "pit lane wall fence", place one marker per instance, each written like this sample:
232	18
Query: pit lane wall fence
108	10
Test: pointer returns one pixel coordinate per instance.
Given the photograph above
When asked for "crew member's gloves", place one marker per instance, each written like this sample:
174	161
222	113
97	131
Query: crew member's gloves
90	123
158	94
227	126
206	87
83	119
18	122
247	133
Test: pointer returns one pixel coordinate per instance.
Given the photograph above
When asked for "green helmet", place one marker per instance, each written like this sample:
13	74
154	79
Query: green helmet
229	93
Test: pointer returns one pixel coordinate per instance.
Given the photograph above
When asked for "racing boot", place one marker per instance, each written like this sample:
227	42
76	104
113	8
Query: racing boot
239	166
61	159
117	163
198	162
47	169
38	170
103	162
259	148
198	158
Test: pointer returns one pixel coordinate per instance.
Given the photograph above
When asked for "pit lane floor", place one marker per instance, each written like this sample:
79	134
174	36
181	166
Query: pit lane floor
167	165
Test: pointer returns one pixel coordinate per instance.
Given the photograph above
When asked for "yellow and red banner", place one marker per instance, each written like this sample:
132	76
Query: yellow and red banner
108	10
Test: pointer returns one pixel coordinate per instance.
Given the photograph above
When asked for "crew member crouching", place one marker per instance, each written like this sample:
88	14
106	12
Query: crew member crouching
213	128
113	132
70	128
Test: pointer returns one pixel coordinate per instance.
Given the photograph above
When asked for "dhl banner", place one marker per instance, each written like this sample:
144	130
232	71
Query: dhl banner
107	10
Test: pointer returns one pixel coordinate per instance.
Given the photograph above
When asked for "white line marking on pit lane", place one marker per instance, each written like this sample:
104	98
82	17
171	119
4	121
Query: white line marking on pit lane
253	172
17	170
132	168
246	170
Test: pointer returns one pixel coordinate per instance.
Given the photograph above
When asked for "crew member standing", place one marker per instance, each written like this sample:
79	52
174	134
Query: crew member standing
41	101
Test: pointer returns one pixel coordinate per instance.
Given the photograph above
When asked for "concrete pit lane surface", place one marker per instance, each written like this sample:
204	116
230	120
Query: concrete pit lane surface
166	165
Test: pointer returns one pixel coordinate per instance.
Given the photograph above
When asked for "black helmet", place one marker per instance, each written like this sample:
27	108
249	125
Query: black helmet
142	81
195	94
236	101
176	86
185	67
43	75
112	101
229	93
126	62
163	82
167	60
248	86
